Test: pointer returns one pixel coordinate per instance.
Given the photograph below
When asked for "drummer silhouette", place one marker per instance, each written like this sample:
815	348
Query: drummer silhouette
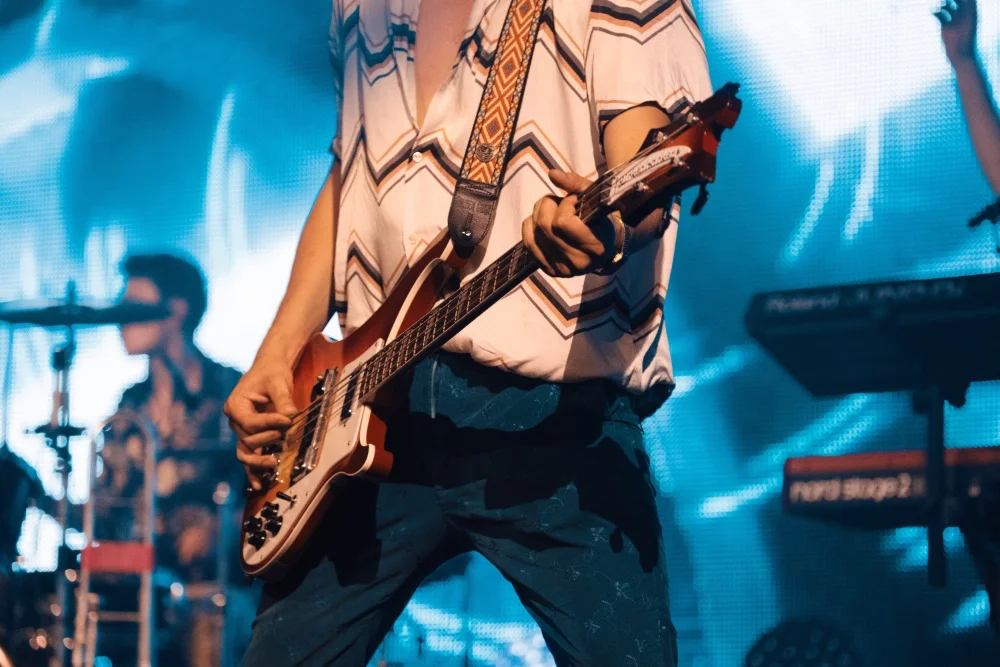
182	396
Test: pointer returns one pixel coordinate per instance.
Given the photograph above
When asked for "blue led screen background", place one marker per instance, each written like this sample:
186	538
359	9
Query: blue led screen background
204	127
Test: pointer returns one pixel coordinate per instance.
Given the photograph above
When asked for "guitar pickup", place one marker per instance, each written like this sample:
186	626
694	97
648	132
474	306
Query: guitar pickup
315	424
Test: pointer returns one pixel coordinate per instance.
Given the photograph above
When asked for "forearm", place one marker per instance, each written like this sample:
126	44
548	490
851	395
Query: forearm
304	309
623	138
981	114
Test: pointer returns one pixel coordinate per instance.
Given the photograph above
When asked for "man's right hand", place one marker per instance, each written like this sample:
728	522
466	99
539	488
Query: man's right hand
959	21
260	410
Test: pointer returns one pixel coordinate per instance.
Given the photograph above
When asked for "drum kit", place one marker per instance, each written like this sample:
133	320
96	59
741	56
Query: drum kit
50	618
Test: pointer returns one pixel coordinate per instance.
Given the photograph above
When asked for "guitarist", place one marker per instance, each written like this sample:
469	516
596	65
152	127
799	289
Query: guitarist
959	23
522	439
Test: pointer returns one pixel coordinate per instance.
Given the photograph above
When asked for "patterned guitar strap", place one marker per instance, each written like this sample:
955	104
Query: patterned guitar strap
478	188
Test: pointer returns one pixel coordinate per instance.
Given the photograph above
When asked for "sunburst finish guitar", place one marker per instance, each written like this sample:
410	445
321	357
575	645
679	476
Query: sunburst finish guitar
347	389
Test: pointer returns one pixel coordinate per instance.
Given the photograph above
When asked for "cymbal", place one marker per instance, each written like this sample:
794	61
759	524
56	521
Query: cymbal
54	313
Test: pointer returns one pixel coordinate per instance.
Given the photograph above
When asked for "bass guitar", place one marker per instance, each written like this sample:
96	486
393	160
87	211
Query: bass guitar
350	387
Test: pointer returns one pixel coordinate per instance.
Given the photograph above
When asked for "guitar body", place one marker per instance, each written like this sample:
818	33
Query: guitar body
337	434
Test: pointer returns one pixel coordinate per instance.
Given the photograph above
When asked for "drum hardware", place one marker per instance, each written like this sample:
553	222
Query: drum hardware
67	313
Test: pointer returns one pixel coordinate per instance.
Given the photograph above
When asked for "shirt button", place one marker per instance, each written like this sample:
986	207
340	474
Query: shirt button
417	156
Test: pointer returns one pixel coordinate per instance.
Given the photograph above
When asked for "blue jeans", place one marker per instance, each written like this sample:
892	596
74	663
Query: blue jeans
549	482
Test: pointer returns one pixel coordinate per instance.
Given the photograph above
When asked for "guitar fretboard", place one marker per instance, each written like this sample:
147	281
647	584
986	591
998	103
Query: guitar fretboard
464	304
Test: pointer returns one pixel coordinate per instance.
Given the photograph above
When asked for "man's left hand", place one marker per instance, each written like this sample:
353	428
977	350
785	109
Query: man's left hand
561	242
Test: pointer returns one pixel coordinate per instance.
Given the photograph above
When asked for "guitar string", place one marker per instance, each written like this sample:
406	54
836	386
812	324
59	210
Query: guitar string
510	259
340	389
592	196
439	315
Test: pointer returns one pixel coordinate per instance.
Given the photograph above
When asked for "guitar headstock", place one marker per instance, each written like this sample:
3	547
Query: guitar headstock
676	157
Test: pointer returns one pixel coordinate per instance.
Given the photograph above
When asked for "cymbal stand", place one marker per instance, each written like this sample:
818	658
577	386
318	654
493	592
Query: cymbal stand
57	435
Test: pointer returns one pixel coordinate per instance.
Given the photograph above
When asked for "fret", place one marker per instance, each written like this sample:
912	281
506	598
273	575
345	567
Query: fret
365	383
406	344
412	344
450	316
463	301
494	280
394	358
426	335
383	365
473	294
376	372
480	290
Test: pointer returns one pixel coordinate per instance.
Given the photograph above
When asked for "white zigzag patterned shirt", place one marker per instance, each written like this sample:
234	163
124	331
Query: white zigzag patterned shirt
593	60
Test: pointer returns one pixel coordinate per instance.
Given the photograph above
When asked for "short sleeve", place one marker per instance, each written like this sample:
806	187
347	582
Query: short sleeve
641	53
337	64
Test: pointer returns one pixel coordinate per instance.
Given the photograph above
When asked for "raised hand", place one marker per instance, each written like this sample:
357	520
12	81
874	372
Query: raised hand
959	21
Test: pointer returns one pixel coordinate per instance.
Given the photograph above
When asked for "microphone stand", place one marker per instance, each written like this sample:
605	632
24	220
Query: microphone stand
990	214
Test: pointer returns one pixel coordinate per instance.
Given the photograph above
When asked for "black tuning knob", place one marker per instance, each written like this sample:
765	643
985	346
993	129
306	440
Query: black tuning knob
273	526
252	525
270	510
257	539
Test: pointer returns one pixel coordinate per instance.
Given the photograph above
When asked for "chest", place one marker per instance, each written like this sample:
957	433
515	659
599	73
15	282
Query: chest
440	28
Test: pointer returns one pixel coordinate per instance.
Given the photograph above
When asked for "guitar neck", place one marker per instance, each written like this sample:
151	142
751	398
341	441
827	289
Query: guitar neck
676	157
463	305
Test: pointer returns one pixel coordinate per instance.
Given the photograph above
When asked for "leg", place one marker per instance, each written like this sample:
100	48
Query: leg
551	483
587	562
371	552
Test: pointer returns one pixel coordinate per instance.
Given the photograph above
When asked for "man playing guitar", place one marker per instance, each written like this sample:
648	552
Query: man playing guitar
522	439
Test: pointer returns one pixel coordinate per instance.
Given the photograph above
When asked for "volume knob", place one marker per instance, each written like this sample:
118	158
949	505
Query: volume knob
252	525
257	539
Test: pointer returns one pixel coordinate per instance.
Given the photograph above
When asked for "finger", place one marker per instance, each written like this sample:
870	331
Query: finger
544	212
241	410
258	422
253	479
257	397
528	237
568	181
554	253
281	397
258	440
579	239
256	461
576	237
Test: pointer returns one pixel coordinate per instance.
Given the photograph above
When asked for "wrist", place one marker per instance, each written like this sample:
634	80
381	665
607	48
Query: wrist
964	60
619	250
278	349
